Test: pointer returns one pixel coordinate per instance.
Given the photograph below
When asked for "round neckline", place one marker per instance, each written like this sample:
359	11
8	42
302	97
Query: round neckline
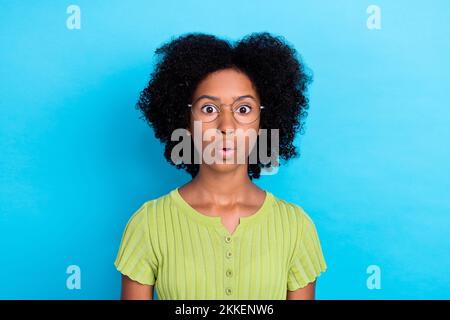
216	221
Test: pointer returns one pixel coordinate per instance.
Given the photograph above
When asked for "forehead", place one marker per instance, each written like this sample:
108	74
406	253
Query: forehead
226	84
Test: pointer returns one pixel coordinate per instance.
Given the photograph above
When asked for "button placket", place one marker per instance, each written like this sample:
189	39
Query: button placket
228	270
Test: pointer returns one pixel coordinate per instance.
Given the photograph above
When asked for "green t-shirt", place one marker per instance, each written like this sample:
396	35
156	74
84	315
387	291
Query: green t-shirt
188	255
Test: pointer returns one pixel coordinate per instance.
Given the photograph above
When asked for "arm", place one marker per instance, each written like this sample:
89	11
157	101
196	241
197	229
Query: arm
133	290
305	293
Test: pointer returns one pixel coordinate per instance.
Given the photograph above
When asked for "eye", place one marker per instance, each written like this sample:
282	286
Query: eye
209	108
244	108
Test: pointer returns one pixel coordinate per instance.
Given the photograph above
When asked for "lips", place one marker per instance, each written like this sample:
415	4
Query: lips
226	152
226	148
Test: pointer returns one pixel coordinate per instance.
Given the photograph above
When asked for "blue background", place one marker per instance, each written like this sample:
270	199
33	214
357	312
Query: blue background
76	161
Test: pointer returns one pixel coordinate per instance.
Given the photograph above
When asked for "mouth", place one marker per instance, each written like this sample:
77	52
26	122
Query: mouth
226	152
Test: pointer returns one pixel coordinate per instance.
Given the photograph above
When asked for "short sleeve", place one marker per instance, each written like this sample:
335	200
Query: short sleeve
136	258
307	262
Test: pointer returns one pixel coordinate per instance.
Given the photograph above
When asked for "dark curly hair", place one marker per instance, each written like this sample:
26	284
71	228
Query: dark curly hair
271	64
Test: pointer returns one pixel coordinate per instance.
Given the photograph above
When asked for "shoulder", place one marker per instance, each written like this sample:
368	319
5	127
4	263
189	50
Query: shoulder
292	212
138	219
148	206
152	210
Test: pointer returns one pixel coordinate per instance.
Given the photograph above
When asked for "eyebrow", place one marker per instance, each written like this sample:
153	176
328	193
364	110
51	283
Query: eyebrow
206	96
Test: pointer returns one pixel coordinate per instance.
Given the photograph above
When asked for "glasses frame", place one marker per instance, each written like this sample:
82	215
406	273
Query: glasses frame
261	107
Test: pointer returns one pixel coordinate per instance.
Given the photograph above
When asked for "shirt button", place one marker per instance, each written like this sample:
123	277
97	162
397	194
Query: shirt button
228	291
229	273
229	254
227	239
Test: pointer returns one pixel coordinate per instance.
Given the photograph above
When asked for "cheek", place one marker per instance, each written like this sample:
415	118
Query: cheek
247	139
205	135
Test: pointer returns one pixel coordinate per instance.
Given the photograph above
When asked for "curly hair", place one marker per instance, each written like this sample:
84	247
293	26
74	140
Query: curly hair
273	66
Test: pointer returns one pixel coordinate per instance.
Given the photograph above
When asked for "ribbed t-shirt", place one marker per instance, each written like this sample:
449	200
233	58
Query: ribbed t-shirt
186	254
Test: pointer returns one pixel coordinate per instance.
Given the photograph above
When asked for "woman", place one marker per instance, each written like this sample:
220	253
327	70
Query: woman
220	236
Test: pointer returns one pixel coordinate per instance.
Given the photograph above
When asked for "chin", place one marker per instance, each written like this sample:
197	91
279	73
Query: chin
225	167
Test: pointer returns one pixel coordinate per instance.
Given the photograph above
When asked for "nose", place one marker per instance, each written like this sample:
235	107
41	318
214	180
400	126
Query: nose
226	123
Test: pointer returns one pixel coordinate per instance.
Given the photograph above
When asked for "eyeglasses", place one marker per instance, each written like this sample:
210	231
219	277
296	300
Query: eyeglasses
244	111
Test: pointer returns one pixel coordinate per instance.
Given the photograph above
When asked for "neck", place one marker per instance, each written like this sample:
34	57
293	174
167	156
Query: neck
220	187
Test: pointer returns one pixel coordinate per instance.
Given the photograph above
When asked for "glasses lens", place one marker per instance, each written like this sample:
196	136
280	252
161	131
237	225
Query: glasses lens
246	111
205	111
243	111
